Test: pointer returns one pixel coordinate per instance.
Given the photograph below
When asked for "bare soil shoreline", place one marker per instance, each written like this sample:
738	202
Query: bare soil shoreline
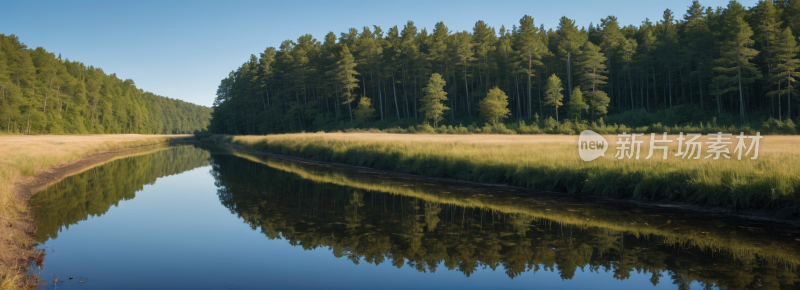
27	186
19	256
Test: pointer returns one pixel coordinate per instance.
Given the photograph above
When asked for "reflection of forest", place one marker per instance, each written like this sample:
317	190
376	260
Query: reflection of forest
385	220
93	192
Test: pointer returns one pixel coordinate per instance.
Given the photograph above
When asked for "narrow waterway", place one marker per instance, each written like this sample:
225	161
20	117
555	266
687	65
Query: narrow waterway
207	217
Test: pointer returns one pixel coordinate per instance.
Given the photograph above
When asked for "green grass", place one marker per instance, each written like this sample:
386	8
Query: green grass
551	162
740	243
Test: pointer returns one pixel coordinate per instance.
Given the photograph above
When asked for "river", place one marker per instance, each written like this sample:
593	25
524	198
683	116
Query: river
201	216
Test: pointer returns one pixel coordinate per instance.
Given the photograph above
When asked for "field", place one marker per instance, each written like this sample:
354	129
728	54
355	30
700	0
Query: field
22	157
767	185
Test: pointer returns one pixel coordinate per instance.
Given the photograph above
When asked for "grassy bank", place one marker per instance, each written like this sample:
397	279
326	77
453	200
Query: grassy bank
550	162
21	158
738	242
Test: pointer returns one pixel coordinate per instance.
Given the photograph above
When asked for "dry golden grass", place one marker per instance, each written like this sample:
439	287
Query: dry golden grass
24	156
551	162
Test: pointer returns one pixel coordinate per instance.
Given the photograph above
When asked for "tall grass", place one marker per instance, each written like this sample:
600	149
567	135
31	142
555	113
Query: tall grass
24	156
738	243
551	162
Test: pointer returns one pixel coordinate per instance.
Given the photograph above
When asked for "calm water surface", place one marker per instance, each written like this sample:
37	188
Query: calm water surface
205	217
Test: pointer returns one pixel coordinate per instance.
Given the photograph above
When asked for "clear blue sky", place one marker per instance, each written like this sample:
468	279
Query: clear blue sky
182	49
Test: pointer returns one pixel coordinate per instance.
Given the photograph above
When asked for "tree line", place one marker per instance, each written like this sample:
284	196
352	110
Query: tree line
734	63
42	94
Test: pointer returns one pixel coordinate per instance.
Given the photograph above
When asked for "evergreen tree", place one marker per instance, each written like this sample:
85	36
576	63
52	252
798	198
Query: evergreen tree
531	48
734	66
785	55
433	100
568	42
345	74
462	53
576	104
699	43
552	95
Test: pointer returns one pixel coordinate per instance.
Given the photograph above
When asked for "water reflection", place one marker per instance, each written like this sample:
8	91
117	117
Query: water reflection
430	225
92	192
433	225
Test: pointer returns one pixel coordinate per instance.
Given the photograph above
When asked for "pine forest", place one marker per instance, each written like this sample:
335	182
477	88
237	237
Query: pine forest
41	93
732	65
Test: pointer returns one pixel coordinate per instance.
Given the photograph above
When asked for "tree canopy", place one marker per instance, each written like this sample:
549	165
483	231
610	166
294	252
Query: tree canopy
724	61
41	93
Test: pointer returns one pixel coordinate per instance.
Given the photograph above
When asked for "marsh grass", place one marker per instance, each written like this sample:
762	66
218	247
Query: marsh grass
551	162
739	243
22	156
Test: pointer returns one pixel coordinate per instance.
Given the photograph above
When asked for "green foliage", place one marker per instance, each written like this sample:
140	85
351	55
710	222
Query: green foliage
364	112
43	94
494	107
433	101
598	103
576	104
775	126
708	58
552	93
93	192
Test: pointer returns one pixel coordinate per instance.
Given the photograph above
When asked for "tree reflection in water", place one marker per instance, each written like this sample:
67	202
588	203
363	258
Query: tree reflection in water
430	225
375	227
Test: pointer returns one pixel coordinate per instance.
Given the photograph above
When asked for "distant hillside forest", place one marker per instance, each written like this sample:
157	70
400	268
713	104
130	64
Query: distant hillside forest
733	65
42	94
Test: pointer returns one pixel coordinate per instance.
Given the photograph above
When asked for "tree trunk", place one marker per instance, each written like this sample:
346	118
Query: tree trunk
655	90
349	110
741	96
405	93
380	96
519	103
397	108
529	88
789	96
669	79
700	84
630	82
569	77
779	101
466	88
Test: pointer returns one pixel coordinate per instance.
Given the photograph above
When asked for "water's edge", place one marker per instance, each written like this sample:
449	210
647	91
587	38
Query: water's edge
26	186
789	224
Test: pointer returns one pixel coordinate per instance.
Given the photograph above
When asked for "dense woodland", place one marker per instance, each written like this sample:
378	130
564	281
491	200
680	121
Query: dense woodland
41	93
735	64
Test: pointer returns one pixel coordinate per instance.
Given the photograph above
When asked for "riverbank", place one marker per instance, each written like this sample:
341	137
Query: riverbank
764	187
30	163
685	227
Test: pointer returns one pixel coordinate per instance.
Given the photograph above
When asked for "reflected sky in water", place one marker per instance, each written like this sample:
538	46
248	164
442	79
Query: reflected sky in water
197	226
